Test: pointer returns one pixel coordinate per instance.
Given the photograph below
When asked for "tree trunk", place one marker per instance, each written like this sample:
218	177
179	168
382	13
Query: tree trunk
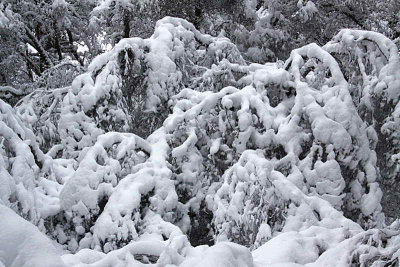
73	50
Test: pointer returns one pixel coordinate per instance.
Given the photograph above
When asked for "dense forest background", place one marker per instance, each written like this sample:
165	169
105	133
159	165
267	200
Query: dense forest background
37	36
230	132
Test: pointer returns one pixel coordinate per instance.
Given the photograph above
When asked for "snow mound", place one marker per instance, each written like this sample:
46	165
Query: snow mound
22	244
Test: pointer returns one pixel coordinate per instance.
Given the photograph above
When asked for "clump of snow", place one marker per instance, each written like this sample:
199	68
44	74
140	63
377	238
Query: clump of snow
307	10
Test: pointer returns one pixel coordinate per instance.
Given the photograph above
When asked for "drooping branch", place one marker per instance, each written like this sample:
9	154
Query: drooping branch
38	46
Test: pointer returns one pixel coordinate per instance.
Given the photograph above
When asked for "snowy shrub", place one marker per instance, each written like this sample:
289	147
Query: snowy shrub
123	88
248	209
370	63
28	183
169	150
41	111
101	168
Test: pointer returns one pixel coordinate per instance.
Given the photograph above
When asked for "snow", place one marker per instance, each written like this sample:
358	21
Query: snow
22	244
274	162
223	254
4	21
308	10
287	247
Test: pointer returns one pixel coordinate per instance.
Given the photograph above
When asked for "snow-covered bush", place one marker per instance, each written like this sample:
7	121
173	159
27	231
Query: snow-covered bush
28	183
123	88
169	144
370	63
41	111
248	209
100	170
293	117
